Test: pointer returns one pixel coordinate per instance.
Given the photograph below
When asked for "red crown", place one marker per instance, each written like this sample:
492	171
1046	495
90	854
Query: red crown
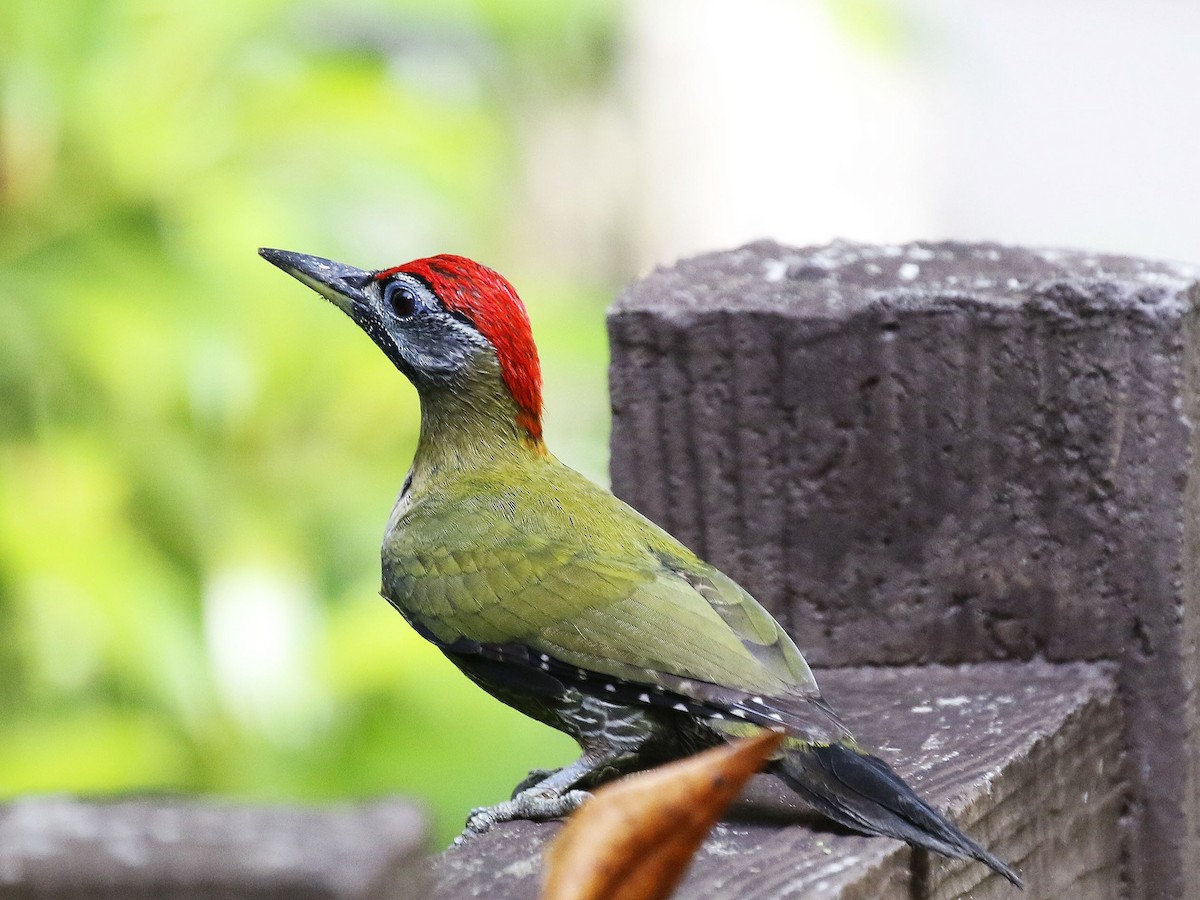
485	297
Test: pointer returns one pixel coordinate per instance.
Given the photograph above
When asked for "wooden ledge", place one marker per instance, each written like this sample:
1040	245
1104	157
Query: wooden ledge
169	848
1025	756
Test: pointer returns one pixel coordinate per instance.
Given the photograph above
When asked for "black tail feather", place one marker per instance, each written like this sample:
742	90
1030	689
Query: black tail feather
862	793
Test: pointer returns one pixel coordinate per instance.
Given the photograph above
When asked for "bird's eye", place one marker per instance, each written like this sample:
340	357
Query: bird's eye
401	299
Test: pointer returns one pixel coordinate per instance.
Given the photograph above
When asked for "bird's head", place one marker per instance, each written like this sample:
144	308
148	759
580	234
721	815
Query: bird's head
440	320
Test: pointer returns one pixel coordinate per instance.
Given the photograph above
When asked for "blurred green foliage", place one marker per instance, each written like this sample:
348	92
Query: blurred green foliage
196	455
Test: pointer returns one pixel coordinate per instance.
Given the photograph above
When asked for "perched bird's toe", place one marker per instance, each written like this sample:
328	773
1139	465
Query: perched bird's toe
533	804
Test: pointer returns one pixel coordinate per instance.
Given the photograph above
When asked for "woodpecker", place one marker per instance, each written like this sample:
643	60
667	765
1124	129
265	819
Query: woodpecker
564	602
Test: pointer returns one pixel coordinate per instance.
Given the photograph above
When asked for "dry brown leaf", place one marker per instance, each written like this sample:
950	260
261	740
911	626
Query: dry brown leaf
636	837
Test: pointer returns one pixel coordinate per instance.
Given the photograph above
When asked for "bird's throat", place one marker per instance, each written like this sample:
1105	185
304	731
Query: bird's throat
473	425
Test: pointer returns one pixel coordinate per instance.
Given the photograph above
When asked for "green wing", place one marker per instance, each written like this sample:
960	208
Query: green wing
589	582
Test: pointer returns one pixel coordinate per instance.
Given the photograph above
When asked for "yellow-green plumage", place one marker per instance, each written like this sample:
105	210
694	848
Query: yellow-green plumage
529	550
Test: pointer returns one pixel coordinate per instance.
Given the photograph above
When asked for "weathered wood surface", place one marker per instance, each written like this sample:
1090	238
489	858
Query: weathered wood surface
1025	756
943	453
59	848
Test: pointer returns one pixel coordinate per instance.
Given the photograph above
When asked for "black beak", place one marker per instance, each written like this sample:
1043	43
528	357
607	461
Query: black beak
343	286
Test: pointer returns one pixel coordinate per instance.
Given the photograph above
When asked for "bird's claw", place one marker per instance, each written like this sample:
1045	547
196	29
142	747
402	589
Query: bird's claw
532	803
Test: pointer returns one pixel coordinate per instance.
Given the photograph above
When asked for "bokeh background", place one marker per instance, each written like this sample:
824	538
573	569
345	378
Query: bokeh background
197	455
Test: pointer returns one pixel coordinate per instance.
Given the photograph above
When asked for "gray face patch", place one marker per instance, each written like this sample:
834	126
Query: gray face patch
427	342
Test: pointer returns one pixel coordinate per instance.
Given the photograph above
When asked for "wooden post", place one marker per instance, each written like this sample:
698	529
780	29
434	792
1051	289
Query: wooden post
943	453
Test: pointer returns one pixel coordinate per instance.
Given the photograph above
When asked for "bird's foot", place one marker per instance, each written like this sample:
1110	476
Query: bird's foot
535	777
533	803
